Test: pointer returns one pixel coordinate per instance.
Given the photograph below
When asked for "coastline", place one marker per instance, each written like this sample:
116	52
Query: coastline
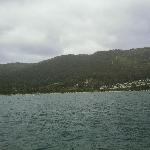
69	92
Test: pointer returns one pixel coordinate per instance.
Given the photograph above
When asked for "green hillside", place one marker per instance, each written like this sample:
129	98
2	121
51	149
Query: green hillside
67	71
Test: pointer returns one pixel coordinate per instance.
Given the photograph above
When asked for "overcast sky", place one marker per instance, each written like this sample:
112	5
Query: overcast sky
34	30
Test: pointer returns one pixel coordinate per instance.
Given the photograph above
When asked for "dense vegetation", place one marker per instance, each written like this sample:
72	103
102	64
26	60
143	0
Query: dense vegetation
76	72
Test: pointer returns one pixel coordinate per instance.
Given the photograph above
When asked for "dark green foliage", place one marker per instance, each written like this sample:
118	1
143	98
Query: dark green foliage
63	73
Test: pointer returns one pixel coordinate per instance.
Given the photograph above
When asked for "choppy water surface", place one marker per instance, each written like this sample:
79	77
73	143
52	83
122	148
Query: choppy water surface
79	121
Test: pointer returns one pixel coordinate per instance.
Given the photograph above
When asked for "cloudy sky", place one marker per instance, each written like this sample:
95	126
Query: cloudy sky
34	30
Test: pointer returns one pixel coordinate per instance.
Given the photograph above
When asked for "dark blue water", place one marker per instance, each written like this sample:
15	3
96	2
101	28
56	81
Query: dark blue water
81	121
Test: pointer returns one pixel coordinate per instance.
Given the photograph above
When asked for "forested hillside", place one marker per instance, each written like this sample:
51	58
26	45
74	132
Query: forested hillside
69	71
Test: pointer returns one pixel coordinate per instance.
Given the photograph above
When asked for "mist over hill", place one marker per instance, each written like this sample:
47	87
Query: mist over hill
69	71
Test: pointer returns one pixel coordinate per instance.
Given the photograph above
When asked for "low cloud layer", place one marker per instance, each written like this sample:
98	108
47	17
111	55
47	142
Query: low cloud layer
31	31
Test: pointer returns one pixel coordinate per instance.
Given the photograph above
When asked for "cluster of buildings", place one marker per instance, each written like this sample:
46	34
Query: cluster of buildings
90	84
128	85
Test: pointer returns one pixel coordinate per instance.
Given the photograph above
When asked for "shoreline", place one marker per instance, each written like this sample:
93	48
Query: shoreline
110	91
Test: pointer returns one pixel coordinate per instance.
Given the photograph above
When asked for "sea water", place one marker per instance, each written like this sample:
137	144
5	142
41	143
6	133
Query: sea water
76	121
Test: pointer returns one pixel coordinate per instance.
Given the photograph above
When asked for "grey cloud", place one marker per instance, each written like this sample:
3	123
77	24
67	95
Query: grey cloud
36	30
